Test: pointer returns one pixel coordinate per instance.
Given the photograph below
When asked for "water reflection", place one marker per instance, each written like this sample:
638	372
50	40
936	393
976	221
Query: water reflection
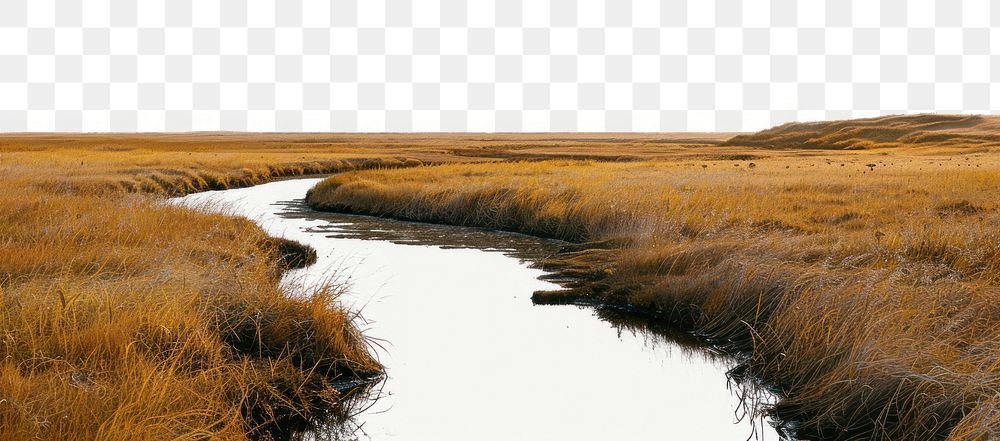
349	226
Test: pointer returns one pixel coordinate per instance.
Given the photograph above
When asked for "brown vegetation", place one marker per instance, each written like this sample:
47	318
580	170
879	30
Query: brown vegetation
930	131
122	317
861	282
867	294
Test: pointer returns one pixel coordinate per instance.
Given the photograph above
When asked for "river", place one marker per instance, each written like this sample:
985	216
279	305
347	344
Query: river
468	356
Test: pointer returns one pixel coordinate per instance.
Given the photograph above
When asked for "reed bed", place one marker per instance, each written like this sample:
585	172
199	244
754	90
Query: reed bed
864	286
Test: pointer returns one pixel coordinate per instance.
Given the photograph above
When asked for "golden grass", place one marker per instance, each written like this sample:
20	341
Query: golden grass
868	294
913	132
127	318
123	317
93	164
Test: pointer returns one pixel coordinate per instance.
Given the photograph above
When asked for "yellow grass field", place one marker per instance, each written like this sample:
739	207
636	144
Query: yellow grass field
863	283
125	318
855	266
122	317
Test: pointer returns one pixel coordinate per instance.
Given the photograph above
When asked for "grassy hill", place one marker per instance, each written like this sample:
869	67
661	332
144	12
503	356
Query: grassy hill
981	133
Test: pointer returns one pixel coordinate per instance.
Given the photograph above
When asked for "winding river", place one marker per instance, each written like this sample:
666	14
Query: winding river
467	354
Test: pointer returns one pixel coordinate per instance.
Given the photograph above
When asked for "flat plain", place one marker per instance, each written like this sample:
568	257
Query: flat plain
853	266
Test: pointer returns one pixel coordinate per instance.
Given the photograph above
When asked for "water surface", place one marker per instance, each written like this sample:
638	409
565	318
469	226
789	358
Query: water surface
467	354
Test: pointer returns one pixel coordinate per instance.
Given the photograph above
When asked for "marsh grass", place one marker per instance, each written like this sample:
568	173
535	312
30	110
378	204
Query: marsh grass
128	318
868	298
125	317
862	283
122	317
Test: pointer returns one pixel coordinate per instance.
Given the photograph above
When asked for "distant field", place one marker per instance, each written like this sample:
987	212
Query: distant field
853	264
182	163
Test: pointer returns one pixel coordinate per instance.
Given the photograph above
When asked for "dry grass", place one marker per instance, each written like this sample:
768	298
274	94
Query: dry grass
913	132
122	317
862	282
126	318
95	164
870	295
